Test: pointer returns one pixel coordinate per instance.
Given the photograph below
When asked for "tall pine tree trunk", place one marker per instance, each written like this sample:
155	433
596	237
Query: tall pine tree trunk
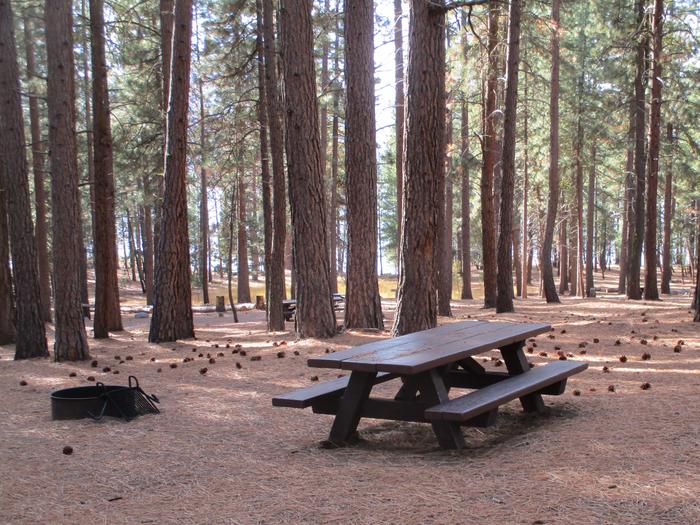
363	307
323	122
38	153
399	115
335	162
70	339
279	197
203	201
132	244
14	178
563	256
7	299
243	270
668	214
229	257
172	309
548	288
423	170
627	212
166	47
89	164
651	290
107	313
637	225
445	224
147	246
504	299
578	173
266	179
489	146
526	166
466	208
314	315
590	223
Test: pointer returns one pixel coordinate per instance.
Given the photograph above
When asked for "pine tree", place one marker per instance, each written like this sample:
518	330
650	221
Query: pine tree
172	308
424	166
70	339
107	312
363	308
314	313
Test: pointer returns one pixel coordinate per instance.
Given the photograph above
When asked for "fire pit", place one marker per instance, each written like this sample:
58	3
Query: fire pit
101	400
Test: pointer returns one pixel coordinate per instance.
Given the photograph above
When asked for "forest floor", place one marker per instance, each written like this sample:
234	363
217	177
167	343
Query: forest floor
219	453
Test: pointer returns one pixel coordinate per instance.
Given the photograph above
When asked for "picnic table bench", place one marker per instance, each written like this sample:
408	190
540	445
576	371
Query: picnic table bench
289	306
428	365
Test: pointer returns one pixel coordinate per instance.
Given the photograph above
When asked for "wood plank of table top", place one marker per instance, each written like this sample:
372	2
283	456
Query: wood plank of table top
383	355
443	353
416	339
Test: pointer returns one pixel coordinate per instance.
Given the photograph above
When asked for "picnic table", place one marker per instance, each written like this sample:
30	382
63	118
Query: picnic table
289	306
425	366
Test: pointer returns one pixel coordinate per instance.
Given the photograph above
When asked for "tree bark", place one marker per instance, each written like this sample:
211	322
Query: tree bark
30	334
548	288
637	226
668	214
315	316
138	226
466	208
89	164
229	258
696	295
70	339
578	184
445	223
38	153
363	307
399	123
504	299
243	270
563	256
279	202
172	309
423	170
166	45
147	232
333	215
515	242
489	146
590	223
107	313
8	332
265	175
132	244
203	201
526	117
651	290
325	83
627	212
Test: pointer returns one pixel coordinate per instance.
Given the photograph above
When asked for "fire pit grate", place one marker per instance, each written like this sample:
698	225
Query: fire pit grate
95	402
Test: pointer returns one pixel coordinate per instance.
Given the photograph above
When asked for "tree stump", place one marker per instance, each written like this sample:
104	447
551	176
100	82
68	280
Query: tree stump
259	302
220	304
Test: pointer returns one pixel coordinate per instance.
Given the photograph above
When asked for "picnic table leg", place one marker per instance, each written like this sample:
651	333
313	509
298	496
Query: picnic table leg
348	416
517	363
408	389
433	391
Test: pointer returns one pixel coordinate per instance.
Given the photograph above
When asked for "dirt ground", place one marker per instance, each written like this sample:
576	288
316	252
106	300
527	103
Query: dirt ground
220	453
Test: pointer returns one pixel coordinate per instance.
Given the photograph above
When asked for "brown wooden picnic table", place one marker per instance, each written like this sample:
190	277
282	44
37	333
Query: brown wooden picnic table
426	366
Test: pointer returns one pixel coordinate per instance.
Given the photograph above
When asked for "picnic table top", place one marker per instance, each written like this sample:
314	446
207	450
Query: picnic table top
420	351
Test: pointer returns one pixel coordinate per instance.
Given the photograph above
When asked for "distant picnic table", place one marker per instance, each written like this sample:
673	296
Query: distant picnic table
425	366
289	306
